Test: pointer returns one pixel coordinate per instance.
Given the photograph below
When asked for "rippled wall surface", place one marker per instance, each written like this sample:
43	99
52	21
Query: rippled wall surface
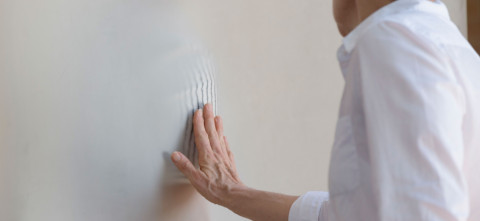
94	96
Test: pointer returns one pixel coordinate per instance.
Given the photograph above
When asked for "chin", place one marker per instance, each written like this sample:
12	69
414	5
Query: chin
343	30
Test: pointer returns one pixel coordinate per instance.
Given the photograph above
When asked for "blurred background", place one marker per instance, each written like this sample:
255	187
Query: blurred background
279	86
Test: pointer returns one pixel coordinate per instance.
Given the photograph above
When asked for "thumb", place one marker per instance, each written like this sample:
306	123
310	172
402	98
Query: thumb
183	164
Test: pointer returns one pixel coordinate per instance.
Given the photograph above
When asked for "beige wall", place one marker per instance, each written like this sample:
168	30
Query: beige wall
279	87
458	13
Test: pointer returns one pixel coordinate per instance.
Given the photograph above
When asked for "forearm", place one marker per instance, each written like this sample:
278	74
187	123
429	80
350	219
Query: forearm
259	205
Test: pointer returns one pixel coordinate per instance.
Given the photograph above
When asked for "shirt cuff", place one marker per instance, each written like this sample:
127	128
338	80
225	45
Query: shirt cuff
308	207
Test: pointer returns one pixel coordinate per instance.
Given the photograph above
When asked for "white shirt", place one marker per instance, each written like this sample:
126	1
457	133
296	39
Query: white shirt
407	143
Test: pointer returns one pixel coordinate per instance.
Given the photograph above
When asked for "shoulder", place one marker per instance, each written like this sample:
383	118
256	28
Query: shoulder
411	30
400	49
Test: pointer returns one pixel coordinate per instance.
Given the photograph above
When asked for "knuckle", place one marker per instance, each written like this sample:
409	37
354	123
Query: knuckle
210	157
219	167
209	115
198	118
194	177
217	154
205	143
196	134
201	134
184	164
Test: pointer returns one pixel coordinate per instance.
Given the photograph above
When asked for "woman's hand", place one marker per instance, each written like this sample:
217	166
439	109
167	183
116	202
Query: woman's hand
217	178
217	175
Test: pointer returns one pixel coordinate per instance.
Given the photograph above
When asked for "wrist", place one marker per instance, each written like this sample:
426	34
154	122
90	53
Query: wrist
236	196
258	205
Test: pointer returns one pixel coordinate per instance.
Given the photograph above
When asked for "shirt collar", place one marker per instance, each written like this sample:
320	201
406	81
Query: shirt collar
437	7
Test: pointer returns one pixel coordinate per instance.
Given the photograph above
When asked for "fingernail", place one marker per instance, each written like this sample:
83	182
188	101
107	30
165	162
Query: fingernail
176	156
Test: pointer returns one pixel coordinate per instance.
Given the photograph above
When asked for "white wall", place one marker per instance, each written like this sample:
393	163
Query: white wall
279	87
94	96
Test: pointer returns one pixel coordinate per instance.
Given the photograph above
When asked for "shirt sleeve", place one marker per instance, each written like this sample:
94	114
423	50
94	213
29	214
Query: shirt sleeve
311	206
413	107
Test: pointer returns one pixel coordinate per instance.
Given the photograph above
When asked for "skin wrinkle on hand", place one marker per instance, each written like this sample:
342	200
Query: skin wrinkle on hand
93	106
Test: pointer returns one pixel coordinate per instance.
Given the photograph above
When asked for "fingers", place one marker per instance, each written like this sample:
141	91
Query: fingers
201	137
229	153
208	131
184	165
208	116
219	126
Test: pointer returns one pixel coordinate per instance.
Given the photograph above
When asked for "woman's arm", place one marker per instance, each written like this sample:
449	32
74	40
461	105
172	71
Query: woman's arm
259	205
217	178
